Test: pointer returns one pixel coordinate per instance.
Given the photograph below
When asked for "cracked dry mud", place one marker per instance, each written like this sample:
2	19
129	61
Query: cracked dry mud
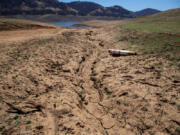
67	83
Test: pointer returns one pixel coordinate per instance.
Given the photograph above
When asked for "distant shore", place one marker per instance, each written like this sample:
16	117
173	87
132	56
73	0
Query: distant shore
50	17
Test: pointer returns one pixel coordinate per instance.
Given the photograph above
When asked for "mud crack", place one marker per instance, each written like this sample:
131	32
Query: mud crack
33	108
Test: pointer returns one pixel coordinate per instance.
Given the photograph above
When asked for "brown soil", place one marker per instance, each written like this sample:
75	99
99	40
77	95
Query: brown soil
63	81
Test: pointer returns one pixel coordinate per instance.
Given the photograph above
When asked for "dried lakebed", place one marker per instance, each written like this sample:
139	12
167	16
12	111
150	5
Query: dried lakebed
67	83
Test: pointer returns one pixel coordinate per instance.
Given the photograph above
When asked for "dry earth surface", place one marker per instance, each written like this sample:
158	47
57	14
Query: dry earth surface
63	81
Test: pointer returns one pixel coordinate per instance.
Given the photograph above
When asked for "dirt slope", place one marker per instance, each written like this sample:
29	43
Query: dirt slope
67	83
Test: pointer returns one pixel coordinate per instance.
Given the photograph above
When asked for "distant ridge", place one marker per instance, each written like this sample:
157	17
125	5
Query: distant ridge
85	8
147	11
77	8
94	9
34	7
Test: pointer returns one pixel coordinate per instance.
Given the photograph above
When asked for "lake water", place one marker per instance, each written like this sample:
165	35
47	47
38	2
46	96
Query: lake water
68	24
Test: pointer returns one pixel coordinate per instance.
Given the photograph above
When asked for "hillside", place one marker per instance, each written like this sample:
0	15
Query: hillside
118	11
15	24
44	7
84	8
115	11
145	12
157	34
93	9
34	7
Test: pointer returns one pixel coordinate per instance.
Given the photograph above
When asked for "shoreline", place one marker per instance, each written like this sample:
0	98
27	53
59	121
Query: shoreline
51	17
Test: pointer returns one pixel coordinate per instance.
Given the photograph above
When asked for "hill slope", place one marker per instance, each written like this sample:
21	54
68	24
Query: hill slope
94	9
42	7
34	7
84	8
156	34
148	11
16	24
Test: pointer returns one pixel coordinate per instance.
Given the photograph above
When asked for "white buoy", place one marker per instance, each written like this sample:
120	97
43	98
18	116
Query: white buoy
115	52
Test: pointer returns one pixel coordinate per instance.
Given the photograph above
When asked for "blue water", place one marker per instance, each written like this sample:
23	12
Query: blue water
68	24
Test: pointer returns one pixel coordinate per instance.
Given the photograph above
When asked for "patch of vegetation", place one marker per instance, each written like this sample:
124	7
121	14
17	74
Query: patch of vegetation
144	108
119	101
39	127
157	35
107	91
81	96
177	130
89	130
2	127
151	133
28	122
13	118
